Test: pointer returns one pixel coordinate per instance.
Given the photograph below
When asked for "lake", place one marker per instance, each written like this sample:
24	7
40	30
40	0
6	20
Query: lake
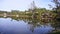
24	26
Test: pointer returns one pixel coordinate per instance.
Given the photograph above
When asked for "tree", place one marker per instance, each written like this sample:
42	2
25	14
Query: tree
56	8
57	5
32	9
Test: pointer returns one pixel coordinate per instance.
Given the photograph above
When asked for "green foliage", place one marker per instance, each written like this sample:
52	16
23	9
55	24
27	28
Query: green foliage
37	12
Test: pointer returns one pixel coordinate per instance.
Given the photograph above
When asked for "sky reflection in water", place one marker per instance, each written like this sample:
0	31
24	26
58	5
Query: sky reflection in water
9	26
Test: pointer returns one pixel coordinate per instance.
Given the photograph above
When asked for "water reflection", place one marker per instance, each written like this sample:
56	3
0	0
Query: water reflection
14	25
40	27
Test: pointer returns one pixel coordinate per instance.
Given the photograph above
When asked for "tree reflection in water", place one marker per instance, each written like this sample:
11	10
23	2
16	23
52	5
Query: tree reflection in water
36	23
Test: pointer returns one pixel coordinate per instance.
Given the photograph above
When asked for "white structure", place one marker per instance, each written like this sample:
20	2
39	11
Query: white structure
5	15
17	15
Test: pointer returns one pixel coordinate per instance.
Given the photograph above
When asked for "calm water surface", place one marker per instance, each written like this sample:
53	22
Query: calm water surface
11	26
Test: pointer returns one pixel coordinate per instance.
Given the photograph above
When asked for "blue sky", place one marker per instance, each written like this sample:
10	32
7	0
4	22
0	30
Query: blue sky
8	5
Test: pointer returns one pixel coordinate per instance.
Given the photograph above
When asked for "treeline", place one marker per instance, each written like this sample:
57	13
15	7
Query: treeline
38	11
